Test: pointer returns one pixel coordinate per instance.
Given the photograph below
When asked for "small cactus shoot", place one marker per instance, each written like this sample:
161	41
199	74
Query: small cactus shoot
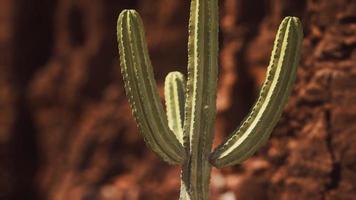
184	134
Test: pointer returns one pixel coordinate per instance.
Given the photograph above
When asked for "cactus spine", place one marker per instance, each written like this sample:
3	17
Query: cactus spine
185	134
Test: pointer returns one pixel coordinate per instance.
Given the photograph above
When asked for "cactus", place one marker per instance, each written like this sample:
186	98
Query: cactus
184	134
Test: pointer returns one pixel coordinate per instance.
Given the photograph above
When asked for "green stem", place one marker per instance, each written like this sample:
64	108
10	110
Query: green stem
200	107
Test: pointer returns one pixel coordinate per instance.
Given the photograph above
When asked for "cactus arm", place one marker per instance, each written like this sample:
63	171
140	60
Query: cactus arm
275	91
200	96
142	90
174	92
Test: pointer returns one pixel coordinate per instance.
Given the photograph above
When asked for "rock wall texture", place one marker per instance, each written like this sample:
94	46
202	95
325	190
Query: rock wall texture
66	130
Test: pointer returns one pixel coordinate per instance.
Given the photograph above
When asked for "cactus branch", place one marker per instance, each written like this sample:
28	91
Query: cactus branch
174	91
142	90
281	74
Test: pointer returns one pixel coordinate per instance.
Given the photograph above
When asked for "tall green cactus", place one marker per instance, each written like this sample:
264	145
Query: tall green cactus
184	134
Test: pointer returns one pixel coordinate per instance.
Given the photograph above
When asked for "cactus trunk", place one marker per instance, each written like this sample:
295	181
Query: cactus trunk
201	98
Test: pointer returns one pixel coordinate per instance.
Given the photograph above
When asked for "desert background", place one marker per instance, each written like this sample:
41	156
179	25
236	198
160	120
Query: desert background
66	129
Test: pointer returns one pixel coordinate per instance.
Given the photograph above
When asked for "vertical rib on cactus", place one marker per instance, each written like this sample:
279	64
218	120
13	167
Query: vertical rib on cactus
174	92
201	96
281	73
142	90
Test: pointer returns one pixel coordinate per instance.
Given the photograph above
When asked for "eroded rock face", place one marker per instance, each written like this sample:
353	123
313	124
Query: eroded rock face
66	127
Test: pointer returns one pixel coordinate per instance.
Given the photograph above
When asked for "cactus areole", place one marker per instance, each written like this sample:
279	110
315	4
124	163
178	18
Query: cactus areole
184	133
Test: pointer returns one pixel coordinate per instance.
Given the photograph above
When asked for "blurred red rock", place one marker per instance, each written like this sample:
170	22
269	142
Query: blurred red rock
66	130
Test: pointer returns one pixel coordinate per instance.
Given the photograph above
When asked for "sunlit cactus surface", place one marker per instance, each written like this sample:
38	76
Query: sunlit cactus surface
184	133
